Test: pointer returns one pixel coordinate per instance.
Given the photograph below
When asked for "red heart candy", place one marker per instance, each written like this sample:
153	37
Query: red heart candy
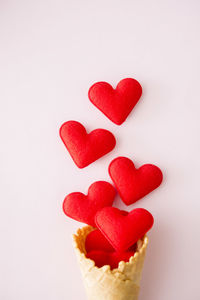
95	240
117	103
102	258
131	183
122	230
86	148
83	208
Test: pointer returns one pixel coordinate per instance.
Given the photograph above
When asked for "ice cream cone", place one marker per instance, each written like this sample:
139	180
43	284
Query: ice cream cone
103	283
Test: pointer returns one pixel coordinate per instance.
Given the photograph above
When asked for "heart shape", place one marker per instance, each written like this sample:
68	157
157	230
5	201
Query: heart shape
123	230
131	183
83	208
117	103
102	258
96	241
86	148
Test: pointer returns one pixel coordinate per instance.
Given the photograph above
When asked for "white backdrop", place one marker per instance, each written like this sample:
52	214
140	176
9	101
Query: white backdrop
51	51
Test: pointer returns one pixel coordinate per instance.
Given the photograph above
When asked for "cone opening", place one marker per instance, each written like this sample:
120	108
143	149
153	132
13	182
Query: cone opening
79	244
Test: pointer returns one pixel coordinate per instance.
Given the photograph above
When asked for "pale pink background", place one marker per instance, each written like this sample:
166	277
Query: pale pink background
50	53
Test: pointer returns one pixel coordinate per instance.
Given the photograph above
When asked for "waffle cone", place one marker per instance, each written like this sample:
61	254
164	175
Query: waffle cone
103	283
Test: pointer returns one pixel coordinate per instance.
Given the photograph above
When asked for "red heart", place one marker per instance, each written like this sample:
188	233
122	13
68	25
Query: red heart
117	103
102	258
95	240
131	183
83	208
86	148
122	230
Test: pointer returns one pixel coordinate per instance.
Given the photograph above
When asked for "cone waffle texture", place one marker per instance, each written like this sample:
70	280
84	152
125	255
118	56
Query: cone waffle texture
103	283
